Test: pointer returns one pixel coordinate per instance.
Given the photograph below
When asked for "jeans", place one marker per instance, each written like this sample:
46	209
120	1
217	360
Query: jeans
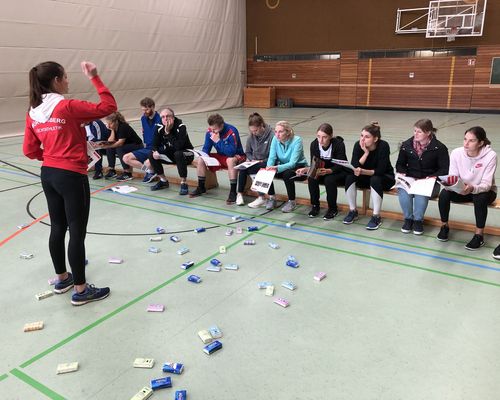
413	206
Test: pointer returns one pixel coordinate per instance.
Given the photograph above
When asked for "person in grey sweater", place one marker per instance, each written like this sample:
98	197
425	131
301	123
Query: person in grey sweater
256	149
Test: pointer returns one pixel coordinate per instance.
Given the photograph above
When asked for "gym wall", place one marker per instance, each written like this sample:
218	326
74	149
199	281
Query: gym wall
187	54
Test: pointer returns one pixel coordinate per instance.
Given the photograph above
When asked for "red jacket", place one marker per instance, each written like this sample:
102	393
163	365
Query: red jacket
61	141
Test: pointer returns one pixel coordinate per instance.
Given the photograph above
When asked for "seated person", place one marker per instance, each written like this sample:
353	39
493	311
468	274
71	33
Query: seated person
256	149
421	156
170	139
323	149
97	132
372	169
475	164
125	140
149	120
285	156
226	140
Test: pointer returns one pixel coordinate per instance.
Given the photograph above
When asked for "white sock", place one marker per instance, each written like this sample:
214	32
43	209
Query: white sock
351	196
377	201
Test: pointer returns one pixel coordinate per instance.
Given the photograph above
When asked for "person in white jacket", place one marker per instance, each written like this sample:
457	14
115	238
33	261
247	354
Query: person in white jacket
475	164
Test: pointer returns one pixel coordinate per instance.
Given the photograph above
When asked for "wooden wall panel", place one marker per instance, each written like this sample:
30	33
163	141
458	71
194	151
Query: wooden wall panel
348	78
484	95
310	96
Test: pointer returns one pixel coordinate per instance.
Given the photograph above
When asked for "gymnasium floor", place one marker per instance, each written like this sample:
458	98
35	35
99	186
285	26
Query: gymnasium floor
398	316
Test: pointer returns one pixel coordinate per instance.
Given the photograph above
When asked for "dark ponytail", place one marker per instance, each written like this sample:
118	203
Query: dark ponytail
480	135
41	78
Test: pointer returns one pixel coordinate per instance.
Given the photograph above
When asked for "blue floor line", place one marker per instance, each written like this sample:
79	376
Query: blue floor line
330	235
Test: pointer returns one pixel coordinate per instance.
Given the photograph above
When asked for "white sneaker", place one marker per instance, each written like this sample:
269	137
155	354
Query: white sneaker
258	202
289	206
239	200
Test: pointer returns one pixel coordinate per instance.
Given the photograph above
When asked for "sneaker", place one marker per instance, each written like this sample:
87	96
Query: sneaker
496	253
110	174
160	185
270	204
65	285
407	226
149	177
239	200
475	243
197	192
97	175
418	227
184	189
124	177
259	201
374	223
330	214
231	199
314	212
443	233
91	293
289	206
351	217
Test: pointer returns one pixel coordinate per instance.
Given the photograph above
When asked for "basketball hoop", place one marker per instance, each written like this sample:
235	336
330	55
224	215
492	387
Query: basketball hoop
451	34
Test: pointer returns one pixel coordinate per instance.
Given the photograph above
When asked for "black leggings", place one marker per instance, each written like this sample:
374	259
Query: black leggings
480	200
120	152
376	182
68	201
286	175
181	159
243	174
331	182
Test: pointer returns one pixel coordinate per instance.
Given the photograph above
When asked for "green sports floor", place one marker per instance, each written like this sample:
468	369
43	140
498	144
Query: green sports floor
397	317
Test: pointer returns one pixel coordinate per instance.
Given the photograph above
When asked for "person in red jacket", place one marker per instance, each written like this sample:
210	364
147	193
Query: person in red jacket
55	135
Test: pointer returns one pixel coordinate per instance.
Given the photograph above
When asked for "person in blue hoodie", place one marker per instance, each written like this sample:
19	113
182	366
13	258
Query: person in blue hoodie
285	156
229	152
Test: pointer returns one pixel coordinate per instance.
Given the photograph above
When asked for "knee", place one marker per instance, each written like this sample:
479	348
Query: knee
179	156
231	162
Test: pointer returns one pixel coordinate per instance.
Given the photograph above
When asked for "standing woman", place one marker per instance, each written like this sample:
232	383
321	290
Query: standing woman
285	156
256	149
475	164
421	156
323	149
54	134
372	169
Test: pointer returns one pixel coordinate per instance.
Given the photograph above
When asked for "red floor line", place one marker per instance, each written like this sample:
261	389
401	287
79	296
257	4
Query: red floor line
13	235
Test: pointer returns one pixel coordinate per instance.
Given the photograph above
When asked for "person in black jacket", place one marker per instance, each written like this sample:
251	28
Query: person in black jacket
421	156
323	171
373	169
170	146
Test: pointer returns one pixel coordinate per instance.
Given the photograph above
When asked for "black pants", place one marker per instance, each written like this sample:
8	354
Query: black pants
331	182
102	153
243	174
377	182
286	175
120	152
68	201
181	159
480	200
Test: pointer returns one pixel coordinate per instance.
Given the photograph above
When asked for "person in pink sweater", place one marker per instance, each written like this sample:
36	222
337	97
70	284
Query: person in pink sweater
55	135
475	164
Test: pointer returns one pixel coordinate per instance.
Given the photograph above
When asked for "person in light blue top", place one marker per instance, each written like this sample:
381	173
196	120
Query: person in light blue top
285	156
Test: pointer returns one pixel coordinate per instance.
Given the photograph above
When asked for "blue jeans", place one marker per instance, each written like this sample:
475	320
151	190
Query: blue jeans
413	206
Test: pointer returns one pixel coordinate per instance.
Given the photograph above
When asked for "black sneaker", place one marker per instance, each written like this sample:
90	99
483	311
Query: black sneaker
91	293
418	227
231	199
350	217
160	185
197	192
110	174
330	214
374	223
496	253
124	177
407	226
65	285
97	175
314	212
475	243
443	233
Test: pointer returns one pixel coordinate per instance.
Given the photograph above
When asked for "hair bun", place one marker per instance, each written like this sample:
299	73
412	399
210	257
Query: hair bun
375	123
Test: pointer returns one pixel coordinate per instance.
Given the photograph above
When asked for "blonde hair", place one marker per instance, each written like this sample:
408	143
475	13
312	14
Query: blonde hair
288	129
